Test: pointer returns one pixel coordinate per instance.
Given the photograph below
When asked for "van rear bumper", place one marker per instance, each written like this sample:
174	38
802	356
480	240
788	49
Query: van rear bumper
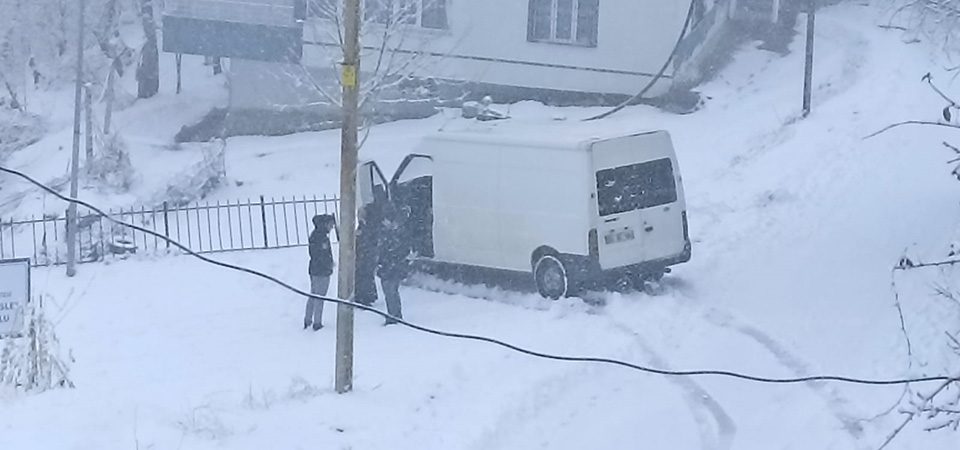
587	269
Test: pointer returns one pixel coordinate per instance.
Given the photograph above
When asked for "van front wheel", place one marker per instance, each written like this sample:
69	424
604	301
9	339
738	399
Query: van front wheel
551	277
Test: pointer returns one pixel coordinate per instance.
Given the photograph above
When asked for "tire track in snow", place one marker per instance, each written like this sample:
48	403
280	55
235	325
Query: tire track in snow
836	404
544	396
716	428
701	402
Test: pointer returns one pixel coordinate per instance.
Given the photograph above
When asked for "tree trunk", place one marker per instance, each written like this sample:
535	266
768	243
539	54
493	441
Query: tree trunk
148	72
88	120
110	96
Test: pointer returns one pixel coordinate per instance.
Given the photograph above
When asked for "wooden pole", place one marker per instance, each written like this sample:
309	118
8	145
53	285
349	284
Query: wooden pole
348	193
808	69
75	161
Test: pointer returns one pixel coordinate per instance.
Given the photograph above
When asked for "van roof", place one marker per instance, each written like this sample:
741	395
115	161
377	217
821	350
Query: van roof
560	134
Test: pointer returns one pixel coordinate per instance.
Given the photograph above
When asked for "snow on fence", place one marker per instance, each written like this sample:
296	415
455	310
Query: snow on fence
265	223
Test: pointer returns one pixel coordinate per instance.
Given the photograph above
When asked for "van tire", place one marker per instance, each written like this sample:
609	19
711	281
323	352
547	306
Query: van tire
551	277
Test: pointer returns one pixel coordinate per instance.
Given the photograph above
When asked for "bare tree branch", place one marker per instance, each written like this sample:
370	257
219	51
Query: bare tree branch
910	122
924	401
906	264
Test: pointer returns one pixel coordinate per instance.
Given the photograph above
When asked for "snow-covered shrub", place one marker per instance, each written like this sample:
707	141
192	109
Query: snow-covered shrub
204	422
31	362
202	178
18	130
111	168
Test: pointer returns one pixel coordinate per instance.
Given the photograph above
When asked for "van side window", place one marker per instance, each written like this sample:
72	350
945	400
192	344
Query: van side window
637	186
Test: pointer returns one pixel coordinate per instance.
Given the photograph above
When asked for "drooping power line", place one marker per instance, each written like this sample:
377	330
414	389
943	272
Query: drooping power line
488	340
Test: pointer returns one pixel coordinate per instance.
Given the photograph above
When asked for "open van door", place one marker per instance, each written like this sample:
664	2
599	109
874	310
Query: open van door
371	184
411	189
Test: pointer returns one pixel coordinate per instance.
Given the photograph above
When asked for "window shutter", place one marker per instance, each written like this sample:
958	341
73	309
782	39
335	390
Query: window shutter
326	9
538	20
588	22
434	14
379	11
300	10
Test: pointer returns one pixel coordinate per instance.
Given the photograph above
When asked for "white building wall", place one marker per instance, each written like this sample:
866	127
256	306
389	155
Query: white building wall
487	42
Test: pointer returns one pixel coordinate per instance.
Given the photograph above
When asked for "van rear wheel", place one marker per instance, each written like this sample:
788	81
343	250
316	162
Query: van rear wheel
551	277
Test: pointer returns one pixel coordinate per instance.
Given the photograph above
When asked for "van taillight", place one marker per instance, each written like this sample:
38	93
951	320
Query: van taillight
594	243
686	228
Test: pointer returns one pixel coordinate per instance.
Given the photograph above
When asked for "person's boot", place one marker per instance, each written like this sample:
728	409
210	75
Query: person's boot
317	326
392	321
306	324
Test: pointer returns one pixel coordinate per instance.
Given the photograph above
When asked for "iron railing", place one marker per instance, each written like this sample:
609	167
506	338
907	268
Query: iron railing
202	227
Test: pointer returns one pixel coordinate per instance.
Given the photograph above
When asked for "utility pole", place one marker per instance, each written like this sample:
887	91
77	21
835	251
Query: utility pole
808	70
348	194
179	58
75	161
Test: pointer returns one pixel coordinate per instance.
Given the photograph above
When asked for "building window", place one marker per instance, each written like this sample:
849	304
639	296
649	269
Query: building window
324	9
573	22
423	13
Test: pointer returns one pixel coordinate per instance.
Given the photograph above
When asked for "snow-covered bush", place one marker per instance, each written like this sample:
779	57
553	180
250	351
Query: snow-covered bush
18	130
200	179
111	168
32	362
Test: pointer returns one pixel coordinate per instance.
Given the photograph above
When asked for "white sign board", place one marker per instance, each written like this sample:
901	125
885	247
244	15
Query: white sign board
14	295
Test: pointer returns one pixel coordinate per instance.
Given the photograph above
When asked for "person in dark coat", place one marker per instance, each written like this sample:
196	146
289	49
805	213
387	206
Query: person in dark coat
394	262
321	269
368	231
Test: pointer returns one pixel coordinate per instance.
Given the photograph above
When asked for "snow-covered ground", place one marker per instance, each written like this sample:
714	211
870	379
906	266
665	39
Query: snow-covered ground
796	226
147	126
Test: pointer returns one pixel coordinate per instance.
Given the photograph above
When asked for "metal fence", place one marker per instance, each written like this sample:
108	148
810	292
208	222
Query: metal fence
202	227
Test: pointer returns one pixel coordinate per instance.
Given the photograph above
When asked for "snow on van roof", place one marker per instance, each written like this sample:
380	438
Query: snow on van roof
561	134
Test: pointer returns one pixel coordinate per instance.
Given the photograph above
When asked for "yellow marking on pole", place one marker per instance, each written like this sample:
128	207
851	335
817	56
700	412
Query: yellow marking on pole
350	76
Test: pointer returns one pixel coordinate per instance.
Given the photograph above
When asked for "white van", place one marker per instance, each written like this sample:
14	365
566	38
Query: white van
571	212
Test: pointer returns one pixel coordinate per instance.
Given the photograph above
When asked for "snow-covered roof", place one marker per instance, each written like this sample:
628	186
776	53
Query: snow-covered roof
561	134
259	12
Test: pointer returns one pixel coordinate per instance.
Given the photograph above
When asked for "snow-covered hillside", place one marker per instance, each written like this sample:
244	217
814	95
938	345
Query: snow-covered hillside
796	227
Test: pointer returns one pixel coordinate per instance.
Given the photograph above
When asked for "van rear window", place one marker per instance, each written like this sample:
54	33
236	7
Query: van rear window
636	186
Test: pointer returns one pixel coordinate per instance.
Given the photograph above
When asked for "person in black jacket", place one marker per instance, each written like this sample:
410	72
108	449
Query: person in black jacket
368	231
394	261
321	269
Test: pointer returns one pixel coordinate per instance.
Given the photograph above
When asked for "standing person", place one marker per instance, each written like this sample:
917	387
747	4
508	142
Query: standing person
394	263
368	231
321	269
